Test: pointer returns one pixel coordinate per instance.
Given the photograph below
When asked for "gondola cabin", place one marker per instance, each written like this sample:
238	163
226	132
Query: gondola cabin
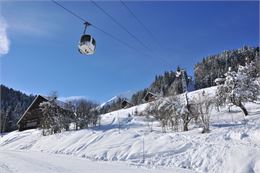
87	45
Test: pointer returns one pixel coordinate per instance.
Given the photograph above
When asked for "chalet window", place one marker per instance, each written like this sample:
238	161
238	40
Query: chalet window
31	124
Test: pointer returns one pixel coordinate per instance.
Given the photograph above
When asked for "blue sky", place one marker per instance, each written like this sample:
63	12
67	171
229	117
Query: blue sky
43	53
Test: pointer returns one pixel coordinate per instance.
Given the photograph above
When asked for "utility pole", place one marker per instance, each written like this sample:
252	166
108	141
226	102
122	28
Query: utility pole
143	150
118	122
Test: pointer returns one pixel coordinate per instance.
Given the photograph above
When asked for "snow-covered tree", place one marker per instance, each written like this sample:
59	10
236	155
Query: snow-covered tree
239	87
55	119
188	111
13	103
156	110
170	109
85	114
173	110
215	66
48	121
257	65
204	104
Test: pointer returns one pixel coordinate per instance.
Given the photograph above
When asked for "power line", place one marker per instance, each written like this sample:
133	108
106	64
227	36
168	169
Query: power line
103	31
98	28
142	24
137	19
117	39
71	12
120	25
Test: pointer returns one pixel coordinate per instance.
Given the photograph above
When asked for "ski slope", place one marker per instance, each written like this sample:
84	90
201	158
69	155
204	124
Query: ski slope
37	162
232	146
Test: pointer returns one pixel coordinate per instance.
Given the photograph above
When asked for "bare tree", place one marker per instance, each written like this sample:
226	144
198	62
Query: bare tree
85	114
170	109
188	111
204	104
155	110
167	112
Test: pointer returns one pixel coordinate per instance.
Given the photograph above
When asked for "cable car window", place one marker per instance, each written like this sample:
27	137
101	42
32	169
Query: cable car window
93	41
85	38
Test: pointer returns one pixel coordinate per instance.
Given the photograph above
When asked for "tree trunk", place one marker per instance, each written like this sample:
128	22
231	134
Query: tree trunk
205	129
185	127
243	108
186	122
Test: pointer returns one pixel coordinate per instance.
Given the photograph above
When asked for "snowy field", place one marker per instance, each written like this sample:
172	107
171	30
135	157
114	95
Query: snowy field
128	145
37	162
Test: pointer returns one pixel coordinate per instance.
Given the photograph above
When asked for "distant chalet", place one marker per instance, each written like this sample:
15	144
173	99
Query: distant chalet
126	104
149	97
32	117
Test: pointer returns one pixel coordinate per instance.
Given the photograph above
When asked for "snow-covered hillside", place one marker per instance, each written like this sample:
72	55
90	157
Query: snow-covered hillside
232	146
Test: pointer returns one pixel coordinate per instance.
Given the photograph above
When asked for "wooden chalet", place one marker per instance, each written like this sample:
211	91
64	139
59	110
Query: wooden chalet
32	116
149	96
126	104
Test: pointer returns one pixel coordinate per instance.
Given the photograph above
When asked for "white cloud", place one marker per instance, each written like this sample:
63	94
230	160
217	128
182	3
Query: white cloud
4	41
29	28
71	98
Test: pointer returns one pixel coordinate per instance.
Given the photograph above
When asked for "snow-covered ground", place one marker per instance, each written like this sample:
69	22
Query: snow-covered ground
37	162
232	146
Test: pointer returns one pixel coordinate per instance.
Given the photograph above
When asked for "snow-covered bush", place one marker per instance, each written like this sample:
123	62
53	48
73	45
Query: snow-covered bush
173	110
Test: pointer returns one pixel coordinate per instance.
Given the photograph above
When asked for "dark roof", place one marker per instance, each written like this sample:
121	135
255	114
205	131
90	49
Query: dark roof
38	100
35	103
149	93
125	103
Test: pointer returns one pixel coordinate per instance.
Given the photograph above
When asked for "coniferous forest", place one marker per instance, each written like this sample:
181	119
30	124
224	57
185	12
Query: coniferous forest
13	105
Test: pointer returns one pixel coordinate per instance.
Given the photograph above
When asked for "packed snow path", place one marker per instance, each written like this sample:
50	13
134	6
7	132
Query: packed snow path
37	162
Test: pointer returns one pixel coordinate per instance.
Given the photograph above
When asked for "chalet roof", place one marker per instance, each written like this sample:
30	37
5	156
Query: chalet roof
44	98
151	93
31	105
127	101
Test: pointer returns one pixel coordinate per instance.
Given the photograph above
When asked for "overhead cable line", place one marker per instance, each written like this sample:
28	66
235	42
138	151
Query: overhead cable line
137	19
71	12
142	24
98	28
120	25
